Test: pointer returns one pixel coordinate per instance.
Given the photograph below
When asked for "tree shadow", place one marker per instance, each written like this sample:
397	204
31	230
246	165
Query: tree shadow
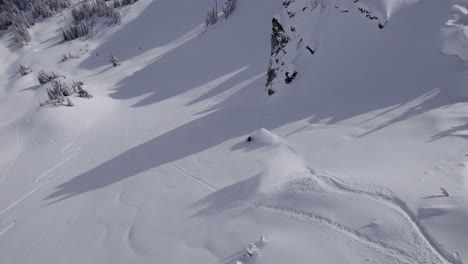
452	132
370	225
247	108
176	144
32	88
431	101
150	29
434	196
9	39
214	61
425	213
227	198
412	77
101	71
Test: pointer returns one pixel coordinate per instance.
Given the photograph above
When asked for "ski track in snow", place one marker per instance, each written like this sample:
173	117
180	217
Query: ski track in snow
400	255
19	134
38	179
383	196
12	223
13	162
389	199
196	179
35	189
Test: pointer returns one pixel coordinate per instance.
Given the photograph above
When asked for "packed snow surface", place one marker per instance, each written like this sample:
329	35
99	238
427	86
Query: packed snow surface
362	159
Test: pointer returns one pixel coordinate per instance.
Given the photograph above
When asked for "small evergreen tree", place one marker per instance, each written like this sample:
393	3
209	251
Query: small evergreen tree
229	7
78	88
77	31
44	77
69	102
98	8
60	87
23	70
212	15
113	59
21	35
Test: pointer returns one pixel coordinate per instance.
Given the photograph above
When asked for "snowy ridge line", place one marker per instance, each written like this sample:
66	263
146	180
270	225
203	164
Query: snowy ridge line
388	198
400	255
12	223
35	189
196	179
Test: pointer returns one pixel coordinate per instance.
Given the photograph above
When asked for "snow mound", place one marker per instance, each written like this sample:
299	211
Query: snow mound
265	137
280	163
280	166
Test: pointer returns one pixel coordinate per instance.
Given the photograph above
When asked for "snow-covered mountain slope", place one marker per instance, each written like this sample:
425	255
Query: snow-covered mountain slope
345	164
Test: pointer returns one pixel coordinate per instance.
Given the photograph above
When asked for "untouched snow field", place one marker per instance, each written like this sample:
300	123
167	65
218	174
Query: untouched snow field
345	165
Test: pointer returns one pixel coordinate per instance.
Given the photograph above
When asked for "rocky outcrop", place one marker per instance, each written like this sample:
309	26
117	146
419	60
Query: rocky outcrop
295	29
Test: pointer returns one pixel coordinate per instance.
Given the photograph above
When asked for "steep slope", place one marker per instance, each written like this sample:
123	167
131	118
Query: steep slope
345	164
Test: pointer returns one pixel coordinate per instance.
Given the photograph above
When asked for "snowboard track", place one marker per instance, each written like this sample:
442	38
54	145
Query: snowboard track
384	196
398	254
391	200
10	225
